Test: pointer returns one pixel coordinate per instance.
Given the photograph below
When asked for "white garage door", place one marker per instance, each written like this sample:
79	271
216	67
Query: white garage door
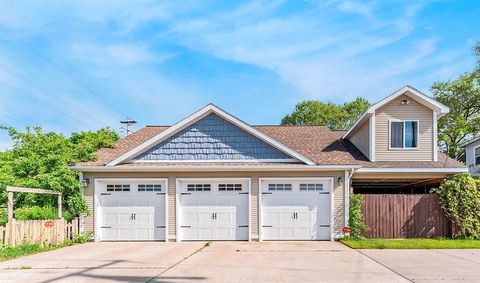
132	211
213	209
296	209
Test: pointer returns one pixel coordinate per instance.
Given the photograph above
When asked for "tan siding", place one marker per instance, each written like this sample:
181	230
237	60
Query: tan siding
338	193
361	139
411	111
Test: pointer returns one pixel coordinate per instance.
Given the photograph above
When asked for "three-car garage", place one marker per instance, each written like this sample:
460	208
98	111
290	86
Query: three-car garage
293	208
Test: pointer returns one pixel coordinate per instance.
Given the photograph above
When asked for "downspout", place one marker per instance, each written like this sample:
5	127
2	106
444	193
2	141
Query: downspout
348	177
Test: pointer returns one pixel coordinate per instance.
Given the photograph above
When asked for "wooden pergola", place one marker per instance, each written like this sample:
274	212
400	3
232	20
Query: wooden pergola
11	190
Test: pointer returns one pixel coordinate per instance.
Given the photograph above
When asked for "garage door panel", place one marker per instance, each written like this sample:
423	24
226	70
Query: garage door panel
296	214
132	215
213	214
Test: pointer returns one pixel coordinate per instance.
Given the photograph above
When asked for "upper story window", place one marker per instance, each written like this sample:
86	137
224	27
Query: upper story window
477	155
404	134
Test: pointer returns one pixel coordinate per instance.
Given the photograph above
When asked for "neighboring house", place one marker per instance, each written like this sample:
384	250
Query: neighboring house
212	176
472	155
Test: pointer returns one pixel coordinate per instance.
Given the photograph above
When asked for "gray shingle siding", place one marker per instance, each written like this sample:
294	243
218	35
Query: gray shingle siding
212	138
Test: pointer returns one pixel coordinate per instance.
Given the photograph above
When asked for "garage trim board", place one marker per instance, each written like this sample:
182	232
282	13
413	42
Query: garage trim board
213	189
104	187
293	184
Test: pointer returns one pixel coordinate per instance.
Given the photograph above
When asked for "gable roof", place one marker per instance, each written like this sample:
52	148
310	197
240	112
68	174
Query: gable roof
407	90
318	143
210	108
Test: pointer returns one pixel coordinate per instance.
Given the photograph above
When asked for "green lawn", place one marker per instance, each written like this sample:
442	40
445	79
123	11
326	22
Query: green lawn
412	243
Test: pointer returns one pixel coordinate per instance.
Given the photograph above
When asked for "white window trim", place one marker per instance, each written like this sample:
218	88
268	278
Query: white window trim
474	156
390	135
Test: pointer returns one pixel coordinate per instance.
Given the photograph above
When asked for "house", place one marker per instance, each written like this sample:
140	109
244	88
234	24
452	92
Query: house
212	176
472	155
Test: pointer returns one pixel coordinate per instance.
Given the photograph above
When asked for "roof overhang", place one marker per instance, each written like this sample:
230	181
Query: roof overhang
232	167
464	144
420	97
199	115
413	170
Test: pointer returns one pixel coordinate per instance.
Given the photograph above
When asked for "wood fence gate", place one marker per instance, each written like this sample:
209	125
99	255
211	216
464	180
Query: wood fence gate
405	216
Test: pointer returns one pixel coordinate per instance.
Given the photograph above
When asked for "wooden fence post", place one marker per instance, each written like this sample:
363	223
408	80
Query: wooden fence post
59	206
10	206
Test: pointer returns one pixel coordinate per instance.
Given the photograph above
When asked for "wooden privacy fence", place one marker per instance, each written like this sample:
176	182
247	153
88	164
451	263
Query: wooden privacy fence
38	231
405	216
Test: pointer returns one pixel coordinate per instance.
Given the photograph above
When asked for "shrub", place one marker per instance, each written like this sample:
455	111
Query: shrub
40	213
460	199
82	238
355	219
3	216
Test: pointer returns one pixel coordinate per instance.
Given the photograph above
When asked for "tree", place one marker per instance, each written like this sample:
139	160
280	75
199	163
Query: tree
334	116
41	160
462	96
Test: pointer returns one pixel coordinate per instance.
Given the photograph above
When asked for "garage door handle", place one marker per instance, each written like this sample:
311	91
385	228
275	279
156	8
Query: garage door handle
243	193
160	226
324	193
243	226
267	226
160	193
107	227
265	193
185	226
185	193
105	194
323	225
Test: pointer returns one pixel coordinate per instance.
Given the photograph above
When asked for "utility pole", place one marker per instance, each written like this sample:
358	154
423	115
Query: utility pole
127	124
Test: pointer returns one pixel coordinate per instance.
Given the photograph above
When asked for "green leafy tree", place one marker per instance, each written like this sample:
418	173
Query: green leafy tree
460	199
463	97
41	160
334	116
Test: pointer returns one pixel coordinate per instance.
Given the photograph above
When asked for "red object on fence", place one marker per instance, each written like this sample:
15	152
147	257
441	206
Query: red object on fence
346	230
49	224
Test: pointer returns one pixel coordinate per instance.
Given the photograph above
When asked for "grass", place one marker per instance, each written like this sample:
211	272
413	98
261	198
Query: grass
8	252
411	243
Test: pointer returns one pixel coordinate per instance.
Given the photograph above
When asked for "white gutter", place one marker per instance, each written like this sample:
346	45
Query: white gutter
413	170
213	168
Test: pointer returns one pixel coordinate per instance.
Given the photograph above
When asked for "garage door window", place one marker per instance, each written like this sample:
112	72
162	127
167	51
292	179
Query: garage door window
279	187
229	187
198	187
311	187
118	188
150	188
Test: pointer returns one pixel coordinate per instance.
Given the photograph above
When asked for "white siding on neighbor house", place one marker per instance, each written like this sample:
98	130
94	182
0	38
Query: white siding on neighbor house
394	110
470	152
361	138
339	195
470	158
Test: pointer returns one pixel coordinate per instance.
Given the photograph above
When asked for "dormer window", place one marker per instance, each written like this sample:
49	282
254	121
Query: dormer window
403	134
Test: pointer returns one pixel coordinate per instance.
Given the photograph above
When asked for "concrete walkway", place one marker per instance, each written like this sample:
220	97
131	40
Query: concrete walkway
240	262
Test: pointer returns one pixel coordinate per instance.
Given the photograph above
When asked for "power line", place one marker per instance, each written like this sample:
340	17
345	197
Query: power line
50	94
44	103
11	118
63	70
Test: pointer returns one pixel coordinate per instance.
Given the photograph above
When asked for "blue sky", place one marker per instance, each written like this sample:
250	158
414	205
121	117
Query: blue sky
86	64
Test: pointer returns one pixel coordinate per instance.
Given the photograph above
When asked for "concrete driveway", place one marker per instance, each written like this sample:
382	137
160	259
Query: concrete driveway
240	261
